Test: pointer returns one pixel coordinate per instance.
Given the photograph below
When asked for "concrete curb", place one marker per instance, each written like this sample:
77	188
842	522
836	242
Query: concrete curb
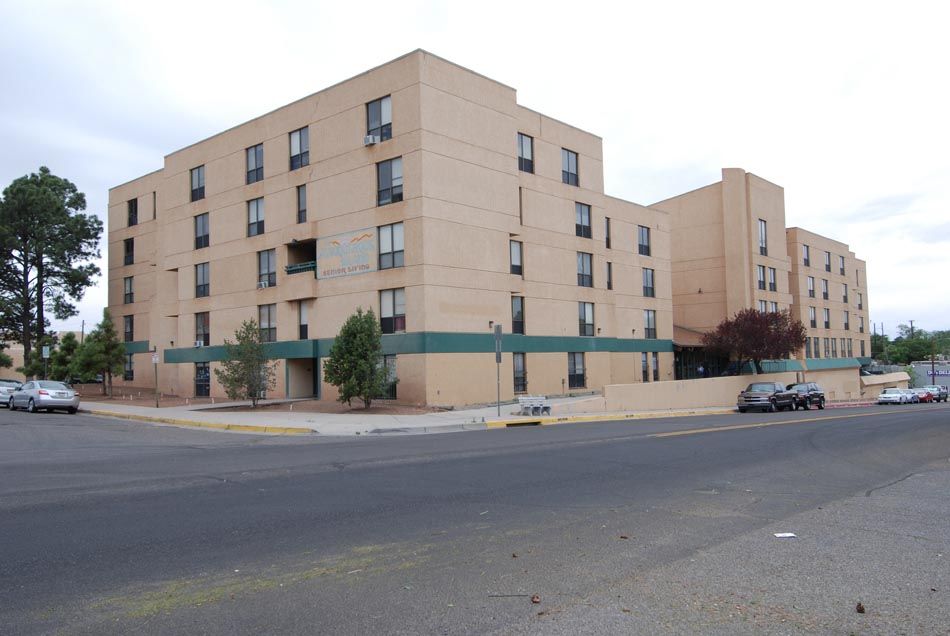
568	419
240	428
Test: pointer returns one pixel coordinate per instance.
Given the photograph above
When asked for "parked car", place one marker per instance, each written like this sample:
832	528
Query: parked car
36	395
767	396
808	394
924	394
940	393
911	396
892	396
7	387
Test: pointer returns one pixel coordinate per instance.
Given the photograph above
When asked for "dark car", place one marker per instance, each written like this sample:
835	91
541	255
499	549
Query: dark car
808	394
767	396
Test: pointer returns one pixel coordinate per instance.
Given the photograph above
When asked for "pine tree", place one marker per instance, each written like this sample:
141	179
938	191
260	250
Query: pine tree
355	362
102	352
246	374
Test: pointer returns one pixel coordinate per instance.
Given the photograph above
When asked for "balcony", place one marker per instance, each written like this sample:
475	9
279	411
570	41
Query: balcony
301	257
296	268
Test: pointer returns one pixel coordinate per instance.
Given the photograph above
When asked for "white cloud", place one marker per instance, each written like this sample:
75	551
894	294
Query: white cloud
843	104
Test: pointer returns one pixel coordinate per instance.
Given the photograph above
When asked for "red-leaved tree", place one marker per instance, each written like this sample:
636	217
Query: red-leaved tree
756	336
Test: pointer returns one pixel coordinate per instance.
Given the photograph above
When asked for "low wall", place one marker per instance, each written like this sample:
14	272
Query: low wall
872	385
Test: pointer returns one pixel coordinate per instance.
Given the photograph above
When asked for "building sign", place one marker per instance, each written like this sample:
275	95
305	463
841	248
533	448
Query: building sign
345	254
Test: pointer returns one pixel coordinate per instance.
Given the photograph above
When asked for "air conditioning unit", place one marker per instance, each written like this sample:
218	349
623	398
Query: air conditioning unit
262	284
370	140
199	343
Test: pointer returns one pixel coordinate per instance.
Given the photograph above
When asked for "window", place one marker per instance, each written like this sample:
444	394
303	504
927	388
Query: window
812	317
824	289
817	348
517	314
806	255
773	307
643	240
827	344
379	118
569	167
645	367
128	323
826	314
129	372
388	362
302	203
392	310
515	249
860	300
834	347
763	306
649	323
521	376
763	239
827	261
861	325
202	280
841	265
656	366
582	220
610	275
844	292
607	231
303	319
773	286
128	294
267	321
391	246
128	248
267	268
649	290
299	148
133	212
255	217
575	371
811	286
202	379
807	347
585	275
525	153
760	271
850	350
862	347
585	313
202	230
203	328
255	163
198	183
847	321
389	181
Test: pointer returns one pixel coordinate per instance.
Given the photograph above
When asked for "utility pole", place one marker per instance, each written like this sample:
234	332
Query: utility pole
933	353
911	329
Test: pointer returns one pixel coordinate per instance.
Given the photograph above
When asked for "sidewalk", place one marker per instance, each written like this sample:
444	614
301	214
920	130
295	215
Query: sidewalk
290	423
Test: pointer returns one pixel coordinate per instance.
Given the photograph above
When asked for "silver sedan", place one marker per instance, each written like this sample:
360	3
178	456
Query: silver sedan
36	395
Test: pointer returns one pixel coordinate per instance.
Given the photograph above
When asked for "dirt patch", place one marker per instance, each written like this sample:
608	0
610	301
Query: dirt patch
131	396
318	406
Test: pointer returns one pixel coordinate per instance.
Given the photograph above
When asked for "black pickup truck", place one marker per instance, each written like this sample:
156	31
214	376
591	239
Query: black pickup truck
809	394
767	396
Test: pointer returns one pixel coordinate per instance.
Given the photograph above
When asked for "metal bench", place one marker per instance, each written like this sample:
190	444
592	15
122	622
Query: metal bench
534	405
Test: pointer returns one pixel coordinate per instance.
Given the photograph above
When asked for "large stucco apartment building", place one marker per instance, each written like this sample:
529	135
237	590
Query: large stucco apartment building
425	192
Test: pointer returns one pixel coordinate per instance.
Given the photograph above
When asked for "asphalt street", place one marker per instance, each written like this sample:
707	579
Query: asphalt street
647	526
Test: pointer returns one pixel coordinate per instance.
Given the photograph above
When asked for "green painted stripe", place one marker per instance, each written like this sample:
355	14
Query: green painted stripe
435	342
139	346
818	364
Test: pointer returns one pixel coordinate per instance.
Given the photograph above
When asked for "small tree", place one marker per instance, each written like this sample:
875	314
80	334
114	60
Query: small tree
246	374
36	366
5	360
100	353
756	336
355	362
61	359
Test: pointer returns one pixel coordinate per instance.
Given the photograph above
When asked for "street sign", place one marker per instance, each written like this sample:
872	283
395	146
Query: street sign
497	344
154	357
46	352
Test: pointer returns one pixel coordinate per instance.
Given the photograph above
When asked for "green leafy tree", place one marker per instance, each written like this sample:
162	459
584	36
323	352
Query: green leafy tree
246	373
757	336
101	352
907	350
48	246
61	359
879	343
355	362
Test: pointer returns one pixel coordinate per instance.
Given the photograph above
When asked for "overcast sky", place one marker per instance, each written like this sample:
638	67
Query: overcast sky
843	104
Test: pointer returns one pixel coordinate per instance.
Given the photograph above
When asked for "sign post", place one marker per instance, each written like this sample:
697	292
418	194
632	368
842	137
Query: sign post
498	368
45	360
155	367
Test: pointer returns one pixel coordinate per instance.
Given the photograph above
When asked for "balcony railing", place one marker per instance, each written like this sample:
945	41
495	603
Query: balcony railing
296	268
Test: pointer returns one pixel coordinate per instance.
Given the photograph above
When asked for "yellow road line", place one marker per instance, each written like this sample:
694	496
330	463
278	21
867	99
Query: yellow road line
736	427
244	428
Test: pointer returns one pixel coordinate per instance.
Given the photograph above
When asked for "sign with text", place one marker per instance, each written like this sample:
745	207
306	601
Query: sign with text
346	254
